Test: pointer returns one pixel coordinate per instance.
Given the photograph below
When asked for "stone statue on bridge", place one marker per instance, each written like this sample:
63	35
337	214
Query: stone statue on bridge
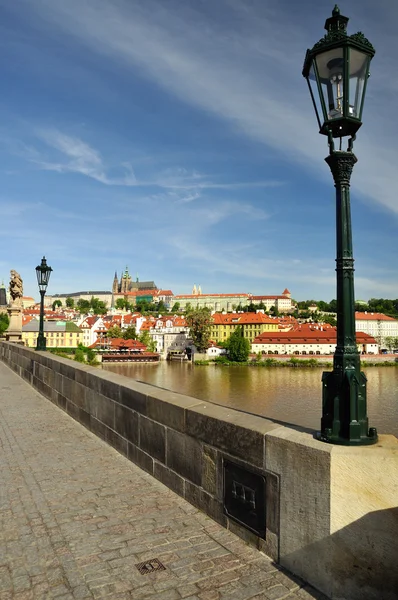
14	331
16	286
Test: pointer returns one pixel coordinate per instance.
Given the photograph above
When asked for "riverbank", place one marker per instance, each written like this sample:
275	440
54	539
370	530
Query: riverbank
385	360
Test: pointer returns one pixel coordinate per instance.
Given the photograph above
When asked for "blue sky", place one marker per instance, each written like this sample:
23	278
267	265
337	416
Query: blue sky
178	138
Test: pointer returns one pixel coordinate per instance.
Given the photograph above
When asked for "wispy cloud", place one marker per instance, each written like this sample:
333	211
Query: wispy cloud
73	155
244	74
78	157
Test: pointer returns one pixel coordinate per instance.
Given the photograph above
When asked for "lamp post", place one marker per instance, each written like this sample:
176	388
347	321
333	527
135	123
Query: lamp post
336	70
43	272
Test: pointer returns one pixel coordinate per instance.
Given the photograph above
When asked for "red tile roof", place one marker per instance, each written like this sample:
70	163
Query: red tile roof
308	335
269	298
369	316
116	343
197	296
242	319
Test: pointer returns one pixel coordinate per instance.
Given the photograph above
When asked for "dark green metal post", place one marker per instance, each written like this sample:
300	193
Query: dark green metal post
344	414
41	340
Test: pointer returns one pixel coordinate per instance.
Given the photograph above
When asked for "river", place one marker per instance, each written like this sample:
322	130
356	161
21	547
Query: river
291	395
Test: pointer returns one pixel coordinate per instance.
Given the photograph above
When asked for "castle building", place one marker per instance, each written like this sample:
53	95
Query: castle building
126	284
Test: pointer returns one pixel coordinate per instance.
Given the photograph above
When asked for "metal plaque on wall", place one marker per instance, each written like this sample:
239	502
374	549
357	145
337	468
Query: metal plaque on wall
244	497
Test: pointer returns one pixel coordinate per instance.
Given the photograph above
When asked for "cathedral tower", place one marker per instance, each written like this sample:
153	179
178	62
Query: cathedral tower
115	285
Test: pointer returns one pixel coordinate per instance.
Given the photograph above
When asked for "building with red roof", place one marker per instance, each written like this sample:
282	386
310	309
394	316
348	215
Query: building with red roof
253	324
309	339
377	325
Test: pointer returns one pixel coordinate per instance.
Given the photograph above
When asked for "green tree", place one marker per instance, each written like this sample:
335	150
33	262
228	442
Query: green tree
160	307
238	346
79	355
91	356
391	343
4	322
130	333
142	306
329	319
83	306
145	338
98	306
175	307
56	303
123	304
199	321
70	303
114	332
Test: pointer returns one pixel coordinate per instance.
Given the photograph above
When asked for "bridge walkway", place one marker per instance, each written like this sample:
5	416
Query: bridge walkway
76	518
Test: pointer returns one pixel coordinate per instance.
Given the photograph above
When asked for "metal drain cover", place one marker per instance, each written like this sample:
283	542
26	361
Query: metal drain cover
149	566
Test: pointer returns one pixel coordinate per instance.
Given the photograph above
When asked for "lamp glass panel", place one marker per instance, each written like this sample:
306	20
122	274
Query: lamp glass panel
359	68
330	67
43	277
313	85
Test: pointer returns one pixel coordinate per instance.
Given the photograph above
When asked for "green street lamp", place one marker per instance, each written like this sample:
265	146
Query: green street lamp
336	70
43	272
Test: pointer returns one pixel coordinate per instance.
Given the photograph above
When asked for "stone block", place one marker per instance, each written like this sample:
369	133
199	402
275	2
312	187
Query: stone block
67	387
171	479
134	396
82	374
152	438
303	465
140	458
57	382
239	434
27	375
47	375
105	383
72	410
270	546
184	456
211	480
244	533
65	368
41	387
116	441
168	407
97	427
205	502
78	396
272	503
61	401
102	408
126	423
84	418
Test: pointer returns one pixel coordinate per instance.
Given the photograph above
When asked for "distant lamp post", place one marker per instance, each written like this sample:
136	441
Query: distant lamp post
336	70
43	272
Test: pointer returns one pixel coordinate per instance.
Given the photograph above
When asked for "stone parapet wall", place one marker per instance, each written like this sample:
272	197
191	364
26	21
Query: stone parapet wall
324	505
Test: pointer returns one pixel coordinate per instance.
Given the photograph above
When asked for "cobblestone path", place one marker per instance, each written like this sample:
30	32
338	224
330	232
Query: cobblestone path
76	518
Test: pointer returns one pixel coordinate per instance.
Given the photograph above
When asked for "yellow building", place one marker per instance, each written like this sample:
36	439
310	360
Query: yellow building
59	334
252	325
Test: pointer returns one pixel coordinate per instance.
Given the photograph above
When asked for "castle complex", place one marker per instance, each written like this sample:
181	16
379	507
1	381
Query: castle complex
126	284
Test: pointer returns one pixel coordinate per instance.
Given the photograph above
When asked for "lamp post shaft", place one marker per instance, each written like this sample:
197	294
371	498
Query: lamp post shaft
344	414
41	340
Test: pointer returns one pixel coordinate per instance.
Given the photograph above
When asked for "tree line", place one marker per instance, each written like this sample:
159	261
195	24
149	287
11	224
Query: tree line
379	305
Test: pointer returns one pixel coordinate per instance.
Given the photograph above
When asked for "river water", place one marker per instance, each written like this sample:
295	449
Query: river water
290	395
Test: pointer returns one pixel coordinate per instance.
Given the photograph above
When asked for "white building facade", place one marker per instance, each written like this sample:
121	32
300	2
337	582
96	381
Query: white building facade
377	325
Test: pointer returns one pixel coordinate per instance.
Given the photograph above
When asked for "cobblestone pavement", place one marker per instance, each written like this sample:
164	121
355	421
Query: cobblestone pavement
76	518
